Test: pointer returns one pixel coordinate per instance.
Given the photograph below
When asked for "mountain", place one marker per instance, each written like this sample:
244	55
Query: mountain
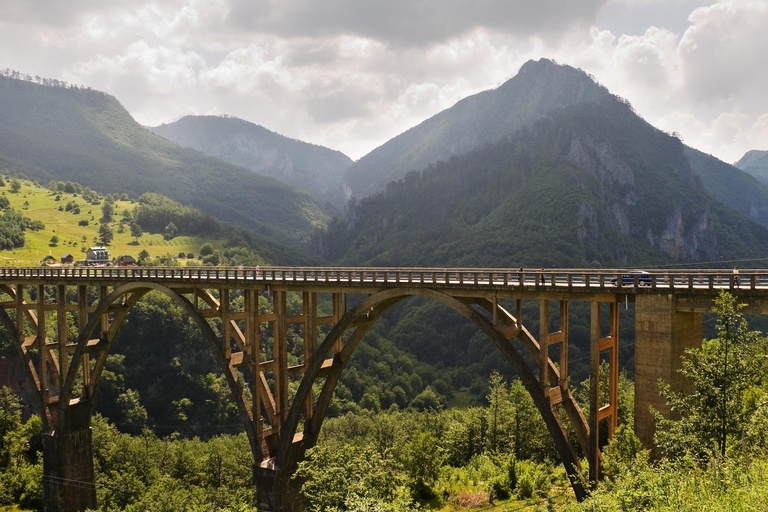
755	163
590	184
81	135
538	88
743	191
315	169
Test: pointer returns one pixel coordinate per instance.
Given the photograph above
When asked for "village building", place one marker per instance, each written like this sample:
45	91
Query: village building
67	258
96	256
48	261
126	261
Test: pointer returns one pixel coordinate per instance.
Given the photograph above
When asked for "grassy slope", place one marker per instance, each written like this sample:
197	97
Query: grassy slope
44	207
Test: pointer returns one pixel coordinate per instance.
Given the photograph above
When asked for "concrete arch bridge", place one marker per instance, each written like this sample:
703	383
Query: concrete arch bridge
64	373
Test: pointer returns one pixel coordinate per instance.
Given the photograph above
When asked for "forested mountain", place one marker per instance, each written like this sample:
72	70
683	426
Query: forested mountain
590	184
315	169
74	134
537	89
755	163
541	89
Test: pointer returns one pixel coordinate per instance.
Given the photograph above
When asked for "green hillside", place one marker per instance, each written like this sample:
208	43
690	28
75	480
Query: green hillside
74	238
315	169
85	136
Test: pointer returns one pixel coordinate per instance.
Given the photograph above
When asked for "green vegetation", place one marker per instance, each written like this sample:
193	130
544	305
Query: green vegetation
55	132
72	219
716	452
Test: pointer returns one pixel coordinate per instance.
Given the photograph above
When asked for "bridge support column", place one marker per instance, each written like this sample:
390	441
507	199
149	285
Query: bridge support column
662	334
68	478
276	491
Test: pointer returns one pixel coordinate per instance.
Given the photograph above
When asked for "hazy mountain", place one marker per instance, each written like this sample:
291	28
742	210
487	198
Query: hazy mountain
755	163
538	88
741	190
587	185
68	133
315	169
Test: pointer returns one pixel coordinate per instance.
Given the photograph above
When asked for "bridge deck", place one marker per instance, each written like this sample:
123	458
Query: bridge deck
572	280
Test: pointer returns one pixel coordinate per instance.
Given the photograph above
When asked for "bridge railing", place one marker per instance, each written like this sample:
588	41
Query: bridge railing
526	278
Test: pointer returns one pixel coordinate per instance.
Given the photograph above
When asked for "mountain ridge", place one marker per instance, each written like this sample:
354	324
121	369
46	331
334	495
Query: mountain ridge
86	136
306	166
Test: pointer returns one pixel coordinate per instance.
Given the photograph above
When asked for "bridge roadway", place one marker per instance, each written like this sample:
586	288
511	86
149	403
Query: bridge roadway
64	374
576	280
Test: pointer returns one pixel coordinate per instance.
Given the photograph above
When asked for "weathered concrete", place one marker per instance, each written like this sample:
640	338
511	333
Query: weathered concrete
68	477
662	334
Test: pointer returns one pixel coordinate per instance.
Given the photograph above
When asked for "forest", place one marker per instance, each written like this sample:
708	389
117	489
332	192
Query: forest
179	447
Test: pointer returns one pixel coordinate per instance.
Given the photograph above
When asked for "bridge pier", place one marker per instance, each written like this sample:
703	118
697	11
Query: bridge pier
69	481
662	334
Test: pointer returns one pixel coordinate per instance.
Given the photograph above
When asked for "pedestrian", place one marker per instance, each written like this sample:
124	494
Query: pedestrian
736	276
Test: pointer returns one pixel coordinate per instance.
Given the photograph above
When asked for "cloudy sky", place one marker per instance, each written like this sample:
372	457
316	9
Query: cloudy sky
351	74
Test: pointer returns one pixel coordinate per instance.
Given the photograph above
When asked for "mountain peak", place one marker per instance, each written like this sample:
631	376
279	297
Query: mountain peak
538	88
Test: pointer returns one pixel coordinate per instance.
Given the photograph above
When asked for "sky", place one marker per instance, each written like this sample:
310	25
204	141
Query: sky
352	74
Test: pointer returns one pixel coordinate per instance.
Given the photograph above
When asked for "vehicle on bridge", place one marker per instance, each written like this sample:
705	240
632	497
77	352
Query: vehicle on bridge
628	279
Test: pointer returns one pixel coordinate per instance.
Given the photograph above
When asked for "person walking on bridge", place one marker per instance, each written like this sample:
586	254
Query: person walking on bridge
736	276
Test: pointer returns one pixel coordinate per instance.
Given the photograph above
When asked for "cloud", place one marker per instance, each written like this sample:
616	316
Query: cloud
404	23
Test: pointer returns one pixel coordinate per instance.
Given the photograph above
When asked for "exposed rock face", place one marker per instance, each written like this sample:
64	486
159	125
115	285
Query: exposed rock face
697	242
599	159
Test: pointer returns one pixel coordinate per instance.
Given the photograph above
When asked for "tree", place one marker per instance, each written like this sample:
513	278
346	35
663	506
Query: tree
54	240
15	186
206	249
105	234
713	417
170	231
107	210
136	231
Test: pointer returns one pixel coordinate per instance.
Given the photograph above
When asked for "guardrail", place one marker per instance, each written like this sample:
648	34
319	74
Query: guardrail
587	279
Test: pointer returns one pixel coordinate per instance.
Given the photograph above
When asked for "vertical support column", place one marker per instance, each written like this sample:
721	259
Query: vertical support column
82	321
253	345
544	346
597	413
61	320
564	350
225	325
281	357
41	340
614	371
310	345
593	452
662	334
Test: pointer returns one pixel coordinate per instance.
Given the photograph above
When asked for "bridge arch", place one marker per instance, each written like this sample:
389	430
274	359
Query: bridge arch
132	294
361	318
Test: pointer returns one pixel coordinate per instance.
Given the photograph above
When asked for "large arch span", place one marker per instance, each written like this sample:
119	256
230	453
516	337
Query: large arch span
66	374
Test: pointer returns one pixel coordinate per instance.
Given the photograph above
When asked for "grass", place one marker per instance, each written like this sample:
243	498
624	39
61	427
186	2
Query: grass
74	238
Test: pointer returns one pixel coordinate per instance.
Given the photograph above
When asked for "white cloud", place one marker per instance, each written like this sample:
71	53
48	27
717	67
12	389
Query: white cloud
351	74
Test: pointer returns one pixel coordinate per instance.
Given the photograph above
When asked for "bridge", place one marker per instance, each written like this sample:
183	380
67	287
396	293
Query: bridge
339	305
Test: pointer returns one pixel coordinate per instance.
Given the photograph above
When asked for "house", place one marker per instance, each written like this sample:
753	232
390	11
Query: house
67	258
49	261
126	261
96	256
